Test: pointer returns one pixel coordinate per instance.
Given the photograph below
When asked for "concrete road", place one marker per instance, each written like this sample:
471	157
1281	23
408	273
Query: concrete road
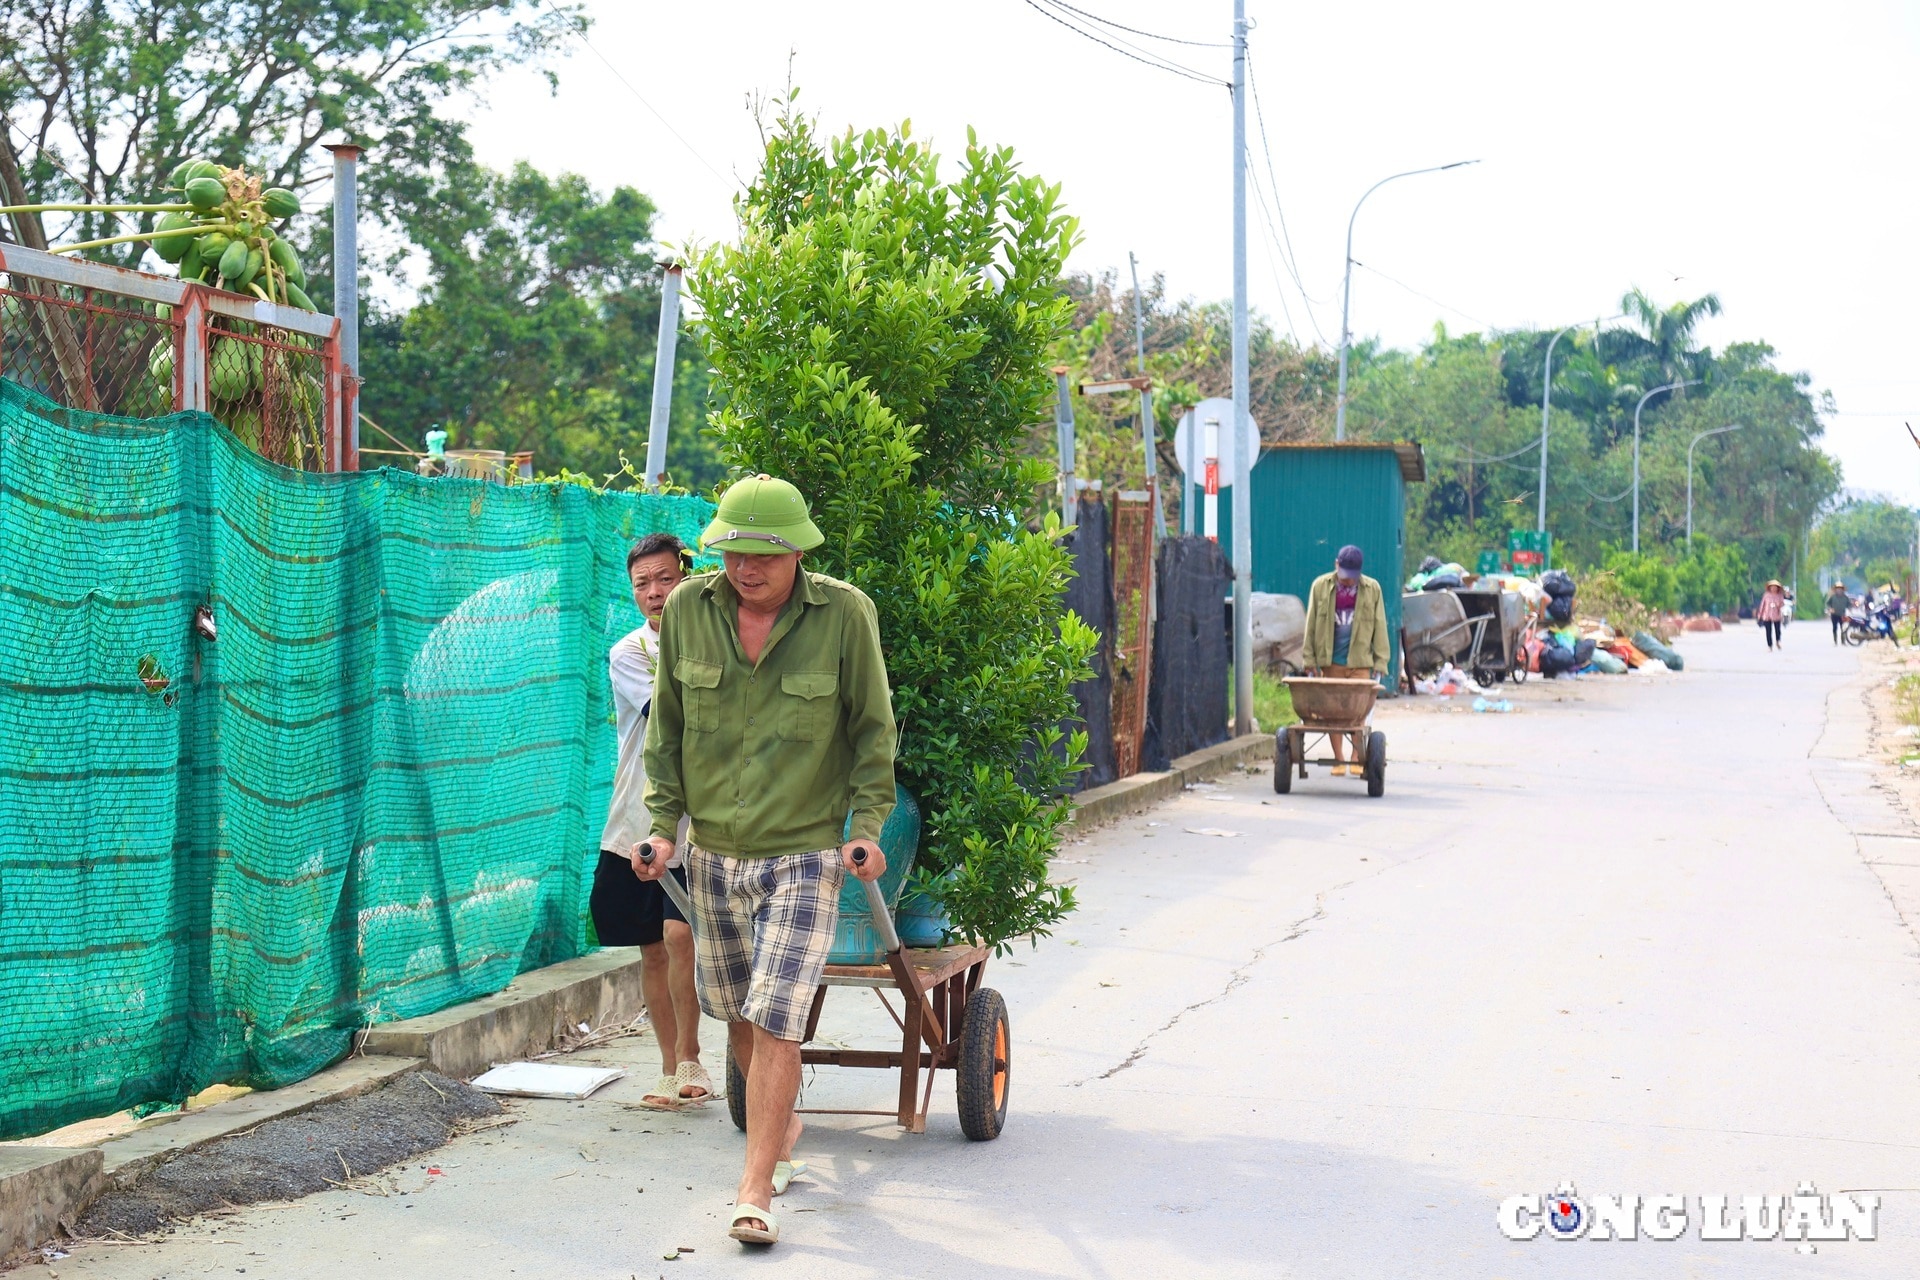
1619	937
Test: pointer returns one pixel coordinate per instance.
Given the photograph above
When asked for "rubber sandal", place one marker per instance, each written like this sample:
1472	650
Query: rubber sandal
1339	771
785	1172
753	1235
693	1076
664	1096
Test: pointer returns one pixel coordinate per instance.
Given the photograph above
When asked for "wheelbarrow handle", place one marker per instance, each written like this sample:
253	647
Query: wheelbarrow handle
877	903
671	885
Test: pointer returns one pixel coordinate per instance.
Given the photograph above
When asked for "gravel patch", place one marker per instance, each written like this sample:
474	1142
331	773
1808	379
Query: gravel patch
330	1145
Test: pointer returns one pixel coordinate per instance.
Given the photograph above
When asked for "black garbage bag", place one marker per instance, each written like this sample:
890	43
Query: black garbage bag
1582	653
1443	582
1557	660
1557	583
1560	609
1430	564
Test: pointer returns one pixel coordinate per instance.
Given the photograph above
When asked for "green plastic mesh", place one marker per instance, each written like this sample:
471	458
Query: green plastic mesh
377	792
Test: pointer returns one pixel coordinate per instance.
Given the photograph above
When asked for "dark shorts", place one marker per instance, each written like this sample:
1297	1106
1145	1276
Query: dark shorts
628	911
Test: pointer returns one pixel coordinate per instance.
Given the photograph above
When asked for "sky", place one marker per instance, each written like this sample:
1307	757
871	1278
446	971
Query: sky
1764	152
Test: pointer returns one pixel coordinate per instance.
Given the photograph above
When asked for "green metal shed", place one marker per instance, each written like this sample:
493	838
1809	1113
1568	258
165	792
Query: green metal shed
1309	500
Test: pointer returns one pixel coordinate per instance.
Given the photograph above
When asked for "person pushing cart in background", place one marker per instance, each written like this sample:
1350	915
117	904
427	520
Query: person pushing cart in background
1347	637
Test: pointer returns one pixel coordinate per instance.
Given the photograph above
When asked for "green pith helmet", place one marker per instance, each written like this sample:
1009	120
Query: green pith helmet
762	516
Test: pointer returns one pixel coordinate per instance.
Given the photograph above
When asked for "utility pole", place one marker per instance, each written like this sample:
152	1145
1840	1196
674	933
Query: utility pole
1346	289
1063	433
1148	435
1243	465
1671	386
1546	405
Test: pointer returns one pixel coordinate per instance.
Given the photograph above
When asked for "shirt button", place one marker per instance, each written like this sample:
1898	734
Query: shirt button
749	719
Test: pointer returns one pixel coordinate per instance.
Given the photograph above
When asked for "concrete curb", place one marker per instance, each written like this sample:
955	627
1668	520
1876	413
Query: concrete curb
1144	790
528	1017
43	1187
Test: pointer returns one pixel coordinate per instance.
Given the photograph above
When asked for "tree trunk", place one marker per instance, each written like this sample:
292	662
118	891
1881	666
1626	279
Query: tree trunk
54	321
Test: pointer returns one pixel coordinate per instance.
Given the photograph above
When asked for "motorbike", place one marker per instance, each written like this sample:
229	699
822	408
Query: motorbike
1864	624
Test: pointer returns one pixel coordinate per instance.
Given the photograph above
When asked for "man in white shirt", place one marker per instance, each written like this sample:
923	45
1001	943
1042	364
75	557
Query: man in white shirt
628	911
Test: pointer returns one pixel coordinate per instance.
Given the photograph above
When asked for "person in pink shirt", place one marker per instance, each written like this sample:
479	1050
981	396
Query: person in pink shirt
1769	613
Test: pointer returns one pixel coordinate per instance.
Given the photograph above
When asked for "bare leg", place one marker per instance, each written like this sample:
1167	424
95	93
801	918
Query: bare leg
654	985
772	1068
686	1004
1339	741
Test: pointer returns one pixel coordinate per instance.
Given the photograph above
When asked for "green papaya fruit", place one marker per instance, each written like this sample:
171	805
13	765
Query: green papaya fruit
190	261
288	261
256	262
245	423
212	245
189	169
173	248
233	262
298	297
206	194
160	363
234	371
279	202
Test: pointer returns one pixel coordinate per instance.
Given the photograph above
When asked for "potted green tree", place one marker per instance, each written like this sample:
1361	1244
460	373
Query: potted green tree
880	337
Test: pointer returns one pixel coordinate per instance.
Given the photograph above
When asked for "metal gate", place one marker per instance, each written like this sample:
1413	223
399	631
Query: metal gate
109	340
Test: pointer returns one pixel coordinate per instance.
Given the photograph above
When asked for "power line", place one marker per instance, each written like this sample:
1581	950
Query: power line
1273	261
580	34
1288	258
1143	56
1416	293
1108	22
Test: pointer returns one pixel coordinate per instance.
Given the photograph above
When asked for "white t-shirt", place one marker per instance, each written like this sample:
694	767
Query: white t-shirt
630	666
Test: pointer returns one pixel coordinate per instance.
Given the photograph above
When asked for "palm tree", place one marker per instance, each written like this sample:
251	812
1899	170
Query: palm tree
1667	343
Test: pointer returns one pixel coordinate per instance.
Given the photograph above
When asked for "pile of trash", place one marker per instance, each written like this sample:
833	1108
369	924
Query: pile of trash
1565	644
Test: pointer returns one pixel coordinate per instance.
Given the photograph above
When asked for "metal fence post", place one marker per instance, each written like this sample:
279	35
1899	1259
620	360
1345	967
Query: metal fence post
663	357
346	291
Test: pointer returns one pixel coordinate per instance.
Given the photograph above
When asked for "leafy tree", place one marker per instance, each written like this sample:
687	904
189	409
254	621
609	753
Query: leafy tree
536	328
881	338
1664	347
111	94
1866	539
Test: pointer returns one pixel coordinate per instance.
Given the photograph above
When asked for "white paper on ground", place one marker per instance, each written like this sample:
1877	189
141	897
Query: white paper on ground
546	1080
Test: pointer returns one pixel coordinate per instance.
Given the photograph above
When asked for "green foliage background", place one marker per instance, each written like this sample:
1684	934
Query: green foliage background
881	337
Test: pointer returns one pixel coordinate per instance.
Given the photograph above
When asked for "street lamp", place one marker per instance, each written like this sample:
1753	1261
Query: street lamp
1346	289
1671	386
1696	440
1546	404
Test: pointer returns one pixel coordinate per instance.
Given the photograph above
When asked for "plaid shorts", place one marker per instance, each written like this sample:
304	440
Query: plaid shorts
762	928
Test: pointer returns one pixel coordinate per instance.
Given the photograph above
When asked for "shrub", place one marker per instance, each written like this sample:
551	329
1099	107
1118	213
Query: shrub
880	339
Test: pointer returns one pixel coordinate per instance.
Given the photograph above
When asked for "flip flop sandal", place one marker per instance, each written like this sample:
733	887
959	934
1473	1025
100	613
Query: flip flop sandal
693	1076
770	1234
785	1172
664	1096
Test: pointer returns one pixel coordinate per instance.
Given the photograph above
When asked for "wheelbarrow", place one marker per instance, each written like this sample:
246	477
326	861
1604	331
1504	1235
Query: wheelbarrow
1328	707
947	1022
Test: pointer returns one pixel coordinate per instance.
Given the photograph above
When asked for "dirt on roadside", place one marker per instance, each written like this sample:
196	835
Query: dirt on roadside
344	1143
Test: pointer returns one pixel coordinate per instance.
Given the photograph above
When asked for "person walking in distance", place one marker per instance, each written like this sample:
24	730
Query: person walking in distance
772	726
1838	602
629	911
1768	613
1347	637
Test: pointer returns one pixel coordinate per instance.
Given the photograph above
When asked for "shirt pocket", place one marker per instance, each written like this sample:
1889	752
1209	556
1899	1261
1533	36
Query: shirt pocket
806	705
700	693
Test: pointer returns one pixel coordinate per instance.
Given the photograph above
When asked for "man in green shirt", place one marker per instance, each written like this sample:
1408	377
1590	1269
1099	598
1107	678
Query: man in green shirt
772	724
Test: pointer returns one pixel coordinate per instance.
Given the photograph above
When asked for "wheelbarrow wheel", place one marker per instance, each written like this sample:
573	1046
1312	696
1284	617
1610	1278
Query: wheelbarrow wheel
1376	770
1283	761
986	1063
1424	661
736	1092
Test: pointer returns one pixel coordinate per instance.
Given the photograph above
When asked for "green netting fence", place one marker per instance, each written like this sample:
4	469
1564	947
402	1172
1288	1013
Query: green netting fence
375	789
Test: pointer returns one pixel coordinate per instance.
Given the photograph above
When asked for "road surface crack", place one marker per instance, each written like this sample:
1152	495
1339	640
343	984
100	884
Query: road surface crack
1236	979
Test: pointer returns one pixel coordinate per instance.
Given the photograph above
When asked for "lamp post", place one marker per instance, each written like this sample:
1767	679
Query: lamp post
1546	404
1346	289
1696	440
1671	386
